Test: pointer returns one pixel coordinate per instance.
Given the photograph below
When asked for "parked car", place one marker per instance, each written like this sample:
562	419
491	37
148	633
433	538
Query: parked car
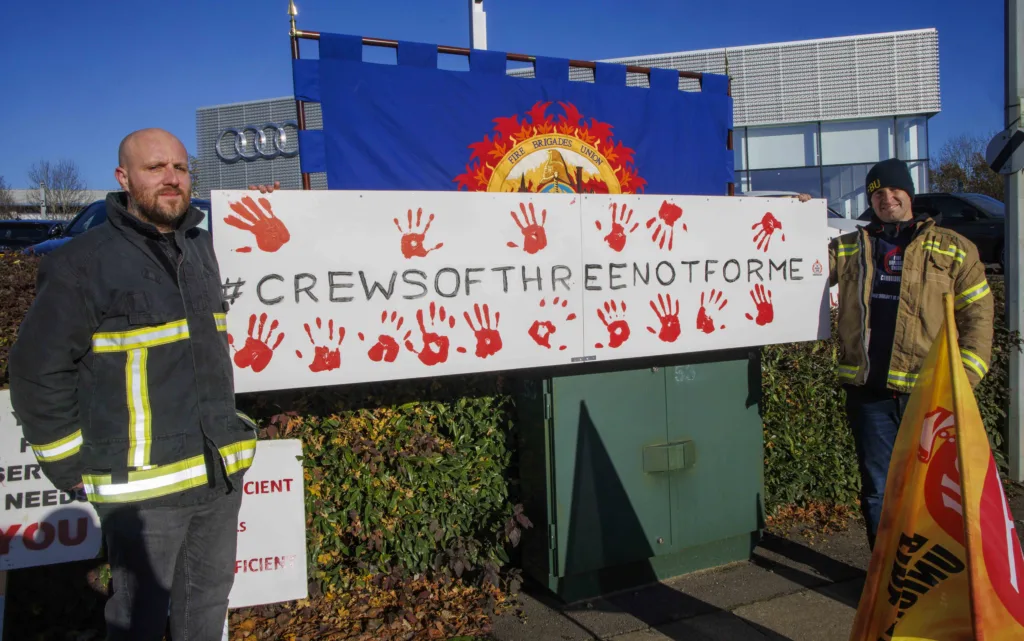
979	218
18	234
96	214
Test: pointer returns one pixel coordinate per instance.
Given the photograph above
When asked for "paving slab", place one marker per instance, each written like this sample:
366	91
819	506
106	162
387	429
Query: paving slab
805	616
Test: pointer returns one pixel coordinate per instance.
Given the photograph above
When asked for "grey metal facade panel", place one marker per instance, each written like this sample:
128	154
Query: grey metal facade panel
830	79
215	173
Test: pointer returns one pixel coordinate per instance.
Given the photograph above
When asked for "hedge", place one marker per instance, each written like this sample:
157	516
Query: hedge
419	477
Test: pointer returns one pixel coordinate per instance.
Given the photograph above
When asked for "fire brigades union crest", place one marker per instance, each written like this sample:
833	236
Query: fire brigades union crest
548	154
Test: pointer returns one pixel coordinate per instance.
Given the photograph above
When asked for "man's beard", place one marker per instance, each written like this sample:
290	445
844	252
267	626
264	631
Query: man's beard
150	208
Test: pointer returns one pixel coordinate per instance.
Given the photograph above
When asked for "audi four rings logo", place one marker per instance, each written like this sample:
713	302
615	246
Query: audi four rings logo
255	141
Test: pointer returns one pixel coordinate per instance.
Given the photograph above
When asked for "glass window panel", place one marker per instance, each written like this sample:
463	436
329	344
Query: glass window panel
857	141
912	138
801	181
739	147
742	182
919	172
778	147
844	188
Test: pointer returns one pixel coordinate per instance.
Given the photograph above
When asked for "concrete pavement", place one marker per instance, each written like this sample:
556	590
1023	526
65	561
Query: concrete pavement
794	588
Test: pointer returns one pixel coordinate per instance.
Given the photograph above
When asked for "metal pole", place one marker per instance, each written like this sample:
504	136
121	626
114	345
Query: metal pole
477	25
42	192
1014	45
300	109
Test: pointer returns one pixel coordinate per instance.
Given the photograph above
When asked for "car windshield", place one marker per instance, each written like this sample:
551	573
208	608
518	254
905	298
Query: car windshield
988	204
24	232
89	218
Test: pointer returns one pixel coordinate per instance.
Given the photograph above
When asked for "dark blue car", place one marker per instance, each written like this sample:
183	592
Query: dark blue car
95	214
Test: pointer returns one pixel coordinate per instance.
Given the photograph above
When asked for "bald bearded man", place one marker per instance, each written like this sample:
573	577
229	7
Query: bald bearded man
122	379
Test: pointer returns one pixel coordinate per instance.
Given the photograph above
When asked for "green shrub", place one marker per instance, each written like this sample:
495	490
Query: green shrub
17	289
408	477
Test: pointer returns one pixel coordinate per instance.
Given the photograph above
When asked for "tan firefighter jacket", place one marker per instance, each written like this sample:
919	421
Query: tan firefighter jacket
936	261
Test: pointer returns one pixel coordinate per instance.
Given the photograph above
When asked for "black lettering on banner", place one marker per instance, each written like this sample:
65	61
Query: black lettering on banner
708	271
646	276
370	291
725	270
259	290
49	498
671	269
926	573
32	499
469	277
539	280
25	445
421	285
794	269
772	268
587	278
690	264
564	279
612	276
333	286
504	276
437	282
299	290
945	560
752	271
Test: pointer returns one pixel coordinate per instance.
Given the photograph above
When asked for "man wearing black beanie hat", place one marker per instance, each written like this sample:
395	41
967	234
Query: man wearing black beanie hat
892	274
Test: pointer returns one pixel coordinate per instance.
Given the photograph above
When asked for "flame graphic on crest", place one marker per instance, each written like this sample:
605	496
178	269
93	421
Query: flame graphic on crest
562	168
939	427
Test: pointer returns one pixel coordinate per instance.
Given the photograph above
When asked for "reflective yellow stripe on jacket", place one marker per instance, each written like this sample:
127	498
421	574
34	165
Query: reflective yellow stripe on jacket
136	344
973	362
162	480
972	295
848	372
847	250
934	246
902	379
59	450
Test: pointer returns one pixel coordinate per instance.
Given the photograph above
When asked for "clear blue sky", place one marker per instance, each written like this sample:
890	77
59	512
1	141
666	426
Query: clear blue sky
77	76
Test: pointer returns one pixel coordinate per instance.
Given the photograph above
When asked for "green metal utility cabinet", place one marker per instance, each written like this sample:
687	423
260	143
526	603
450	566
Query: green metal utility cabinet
635	476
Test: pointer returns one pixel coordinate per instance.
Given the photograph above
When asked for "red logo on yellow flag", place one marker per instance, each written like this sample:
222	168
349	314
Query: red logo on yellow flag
947	563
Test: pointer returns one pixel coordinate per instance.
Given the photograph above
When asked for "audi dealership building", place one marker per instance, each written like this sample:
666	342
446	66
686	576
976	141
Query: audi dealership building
809	116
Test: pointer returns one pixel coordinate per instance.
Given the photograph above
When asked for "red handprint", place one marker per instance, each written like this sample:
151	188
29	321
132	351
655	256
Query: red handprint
413	238
833	299
386	348
669	318
704	322
325	357
768	225
763	303
618	329
269	231
534	238
435	346
616	238
488	340
256	352
667	217
541	331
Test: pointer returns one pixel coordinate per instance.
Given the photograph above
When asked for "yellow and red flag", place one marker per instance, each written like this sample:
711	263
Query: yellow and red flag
947	562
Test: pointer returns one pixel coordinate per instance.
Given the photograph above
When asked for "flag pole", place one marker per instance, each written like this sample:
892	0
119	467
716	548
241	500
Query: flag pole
953	346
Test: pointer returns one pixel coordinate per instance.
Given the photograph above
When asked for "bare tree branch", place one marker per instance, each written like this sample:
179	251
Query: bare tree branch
62	185
6	201
961	167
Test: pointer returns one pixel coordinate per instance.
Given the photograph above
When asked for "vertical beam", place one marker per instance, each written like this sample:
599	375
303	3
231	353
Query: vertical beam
477	25
1014	262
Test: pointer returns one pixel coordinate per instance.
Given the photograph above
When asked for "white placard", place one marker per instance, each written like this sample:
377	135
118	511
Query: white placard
39	525
270	564
334	287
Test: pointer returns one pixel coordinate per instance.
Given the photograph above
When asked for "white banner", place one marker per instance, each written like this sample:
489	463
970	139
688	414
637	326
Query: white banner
270	564
333	287
40	525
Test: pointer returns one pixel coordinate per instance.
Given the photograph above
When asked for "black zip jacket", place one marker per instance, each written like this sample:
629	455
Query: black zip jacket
121	373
